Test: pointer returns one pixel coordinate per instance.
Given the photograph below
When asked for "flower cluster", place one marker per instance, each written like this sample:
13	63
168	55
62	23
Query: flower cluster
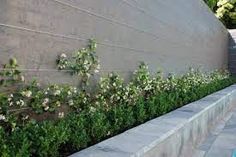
131	94
39	100
142	78
83	63
62	62
110	91
52	97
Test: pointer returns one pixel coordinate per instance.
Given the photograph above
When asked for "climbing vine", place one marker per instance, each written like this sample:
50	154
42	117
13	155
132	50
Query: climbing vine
83	63
10	73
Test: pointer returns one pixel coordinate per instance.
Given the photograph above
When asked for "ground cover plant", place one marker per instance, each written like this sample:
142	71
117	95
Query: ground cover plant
58	120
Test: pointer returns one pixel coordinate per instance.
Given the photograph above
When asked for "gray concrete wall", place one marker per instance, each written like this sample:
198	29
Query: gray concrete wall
171	35
232	51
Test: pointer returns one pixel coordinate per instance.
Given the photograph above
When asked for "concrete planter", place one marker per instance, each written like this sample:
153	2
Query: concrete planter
175	134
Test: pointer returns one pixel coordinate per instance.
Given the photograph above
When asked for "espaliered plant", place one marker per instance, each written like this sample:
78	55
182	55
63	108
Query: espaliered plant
10	74
58	120
83	63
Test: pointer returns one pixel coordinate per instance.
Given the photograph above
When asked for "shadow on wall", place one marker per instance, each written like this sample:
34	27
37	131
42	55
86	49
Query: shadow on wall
232	51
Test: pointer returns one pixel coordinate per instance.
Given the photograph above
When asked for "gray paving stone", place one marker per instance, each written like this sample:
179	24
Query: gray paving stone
199	153
222	141
208	143
219	152
225	141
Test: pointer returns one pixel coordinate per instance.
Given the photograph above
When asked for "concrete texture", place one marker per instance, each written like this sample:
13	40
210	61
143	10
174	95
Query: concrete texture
176	134
165	34
232	51
221	142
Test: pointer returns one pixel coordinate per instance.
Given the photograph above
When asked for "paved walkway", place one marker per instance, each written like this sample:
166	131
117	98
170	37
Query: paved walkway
222	140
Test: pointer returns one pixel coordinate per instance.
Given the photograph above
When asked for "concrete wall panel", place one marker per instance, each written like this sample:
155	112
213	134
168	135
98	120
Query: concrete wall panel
166	34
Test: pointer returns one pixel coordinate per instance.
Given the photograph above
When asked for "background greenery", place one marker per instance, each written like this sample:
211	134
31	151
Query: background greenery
225	10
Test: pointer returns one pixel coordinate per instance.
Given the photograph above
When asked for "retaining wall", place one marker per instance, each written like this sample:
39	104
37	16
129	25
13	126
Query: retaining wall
175	134
165	34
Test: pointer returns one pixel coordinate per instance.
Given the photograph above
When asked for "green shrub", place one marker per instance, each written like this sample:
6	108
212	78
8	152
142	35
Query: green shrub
78	126
139	111
212	4
226	12
19	144
97	124
82	118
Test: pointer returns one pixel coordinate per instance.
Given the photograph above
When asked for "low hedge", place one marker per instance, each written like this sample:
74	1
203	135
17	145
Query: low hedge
113	108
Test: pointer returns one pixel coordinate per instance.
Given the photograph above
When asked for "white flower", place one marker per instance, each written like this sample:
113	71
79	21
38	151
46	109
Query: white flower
88	75
75	90
58	103
11	104
22	103
98	66
63	55
57	92
38	84
22	78
86	62
71	102
45	101
9	99
46	108
92	109
27	93
2	117
69	93
11	95
25	117
61	114
96	71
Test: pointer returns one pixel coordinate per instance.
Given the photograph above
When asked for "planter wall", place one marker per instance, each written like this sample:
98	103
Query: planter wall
175	134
